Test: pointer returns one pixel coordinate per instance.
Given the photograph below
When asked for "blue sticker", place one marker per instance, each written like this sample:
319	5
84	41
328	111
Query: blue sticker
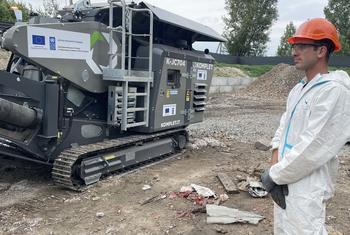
52	41
38	40
167	110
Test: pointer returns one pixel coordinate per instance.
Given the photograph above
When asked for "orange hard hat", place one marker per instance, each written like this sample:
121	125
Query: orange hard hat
317	29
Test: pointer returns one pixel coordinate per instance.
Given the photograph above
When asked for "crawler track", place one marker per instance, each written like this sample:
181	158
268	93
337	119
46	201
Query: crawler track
65	173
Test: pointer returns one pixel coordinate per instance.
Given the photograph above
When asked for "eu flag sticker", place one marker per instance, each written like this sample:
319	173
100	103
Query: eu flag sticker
52	41
38	40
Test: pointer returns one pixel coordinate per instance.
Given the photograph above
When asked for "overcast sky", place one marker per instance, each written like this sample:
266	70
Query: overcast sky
210	12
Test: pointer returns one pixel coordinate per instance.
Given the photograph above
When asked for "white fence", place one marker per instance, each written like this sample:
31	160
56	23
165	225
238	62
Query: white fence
229	84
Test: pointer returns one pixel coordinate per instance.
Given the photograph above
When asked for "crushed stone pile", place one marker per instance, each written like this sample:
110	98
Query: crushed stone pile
275	84
228	72
4	57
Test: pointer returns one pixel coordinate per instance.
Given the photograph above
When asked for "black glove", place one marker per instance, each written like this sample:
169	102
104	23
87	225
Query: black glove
267	181
278	192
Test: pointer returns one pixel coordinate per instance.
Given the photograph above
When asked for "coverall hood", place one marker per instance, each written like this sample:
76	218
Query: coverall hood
339	76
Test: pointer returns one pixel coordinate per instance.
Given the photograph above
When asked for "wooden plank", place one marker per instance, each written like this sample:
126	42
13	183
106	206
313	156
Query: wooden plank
228	184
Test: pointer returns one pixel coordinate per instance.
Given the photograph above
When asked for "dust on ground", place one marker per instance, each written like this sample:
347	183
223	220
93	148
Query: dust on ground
223	143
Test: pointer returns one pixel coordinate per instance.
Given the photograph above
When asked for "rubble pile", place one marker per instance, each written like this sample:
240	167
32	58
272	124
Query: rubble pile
275	84
4	57
228	72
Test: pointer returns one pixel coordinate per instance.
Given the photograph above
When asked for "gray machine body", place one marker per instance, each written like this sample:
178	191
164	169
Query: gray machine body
181	87
84	71
68	79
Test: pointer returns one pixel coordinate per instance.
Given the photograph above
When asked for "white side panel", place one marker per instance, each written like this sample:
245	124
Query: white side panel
53	43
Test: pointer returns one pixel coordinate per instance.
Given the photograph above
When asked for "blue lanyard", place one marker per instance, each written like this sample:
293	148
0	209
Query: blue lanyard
286	145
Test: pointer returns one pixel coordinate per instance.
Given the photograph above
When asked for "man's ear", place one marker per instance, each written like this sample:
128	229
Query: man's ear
322	52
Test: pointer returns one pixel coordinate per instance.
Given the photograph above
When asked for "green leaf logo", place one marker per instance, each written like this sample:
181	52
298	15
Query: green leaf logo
95	37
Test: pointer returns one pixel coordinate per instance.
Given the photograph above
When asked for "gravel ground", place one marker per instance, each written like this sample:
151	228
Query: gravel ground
30	204
224	142
241	119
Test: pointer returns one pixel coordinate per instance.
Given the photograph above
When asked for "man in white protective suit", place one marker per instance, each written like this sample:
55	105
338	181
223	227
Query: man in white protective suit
314	128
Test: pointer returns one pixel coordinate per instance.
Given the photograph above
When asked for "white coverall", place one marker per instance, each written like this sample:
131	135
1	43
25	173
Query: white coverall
314	128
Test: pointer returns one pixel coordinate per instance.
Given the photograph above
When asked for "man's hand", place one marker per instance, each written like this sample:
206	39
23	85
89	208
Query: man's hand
278	192
274	158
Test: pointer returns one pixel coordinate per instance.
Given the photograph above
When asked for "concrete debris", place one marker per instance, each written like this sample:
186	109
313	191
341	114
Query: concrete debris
111	230
146	187
243	186
169	228
331	217
203	191
255	171
27	223
260	146
205	142
34	222
333	231
172	195
95	198
240	178
256	189
228	72
199	200
224	215
223	197
74	199
100	214
186	189
214	142
199	195
275	84
221	230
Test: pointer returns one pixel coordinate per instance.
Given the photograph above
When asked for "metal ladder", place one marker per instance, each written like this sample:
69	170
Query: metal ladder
127	75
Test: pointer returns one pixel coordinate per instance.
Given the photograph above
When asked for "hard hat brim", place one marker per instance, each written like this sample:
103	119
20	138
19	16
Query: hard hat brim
293	40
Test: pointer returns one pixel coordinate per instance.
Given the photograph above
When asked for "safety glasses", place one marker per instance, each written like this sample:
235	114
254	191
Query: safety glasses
303	46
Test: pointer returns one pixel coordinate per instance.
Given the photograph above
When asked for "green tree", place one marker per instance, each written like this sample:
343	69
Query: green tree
247	25
7	14
338	12
284	49
50	8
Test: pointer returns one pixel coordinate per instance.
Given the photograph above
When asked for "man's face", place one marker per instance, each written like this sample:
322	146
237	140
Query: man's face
305	53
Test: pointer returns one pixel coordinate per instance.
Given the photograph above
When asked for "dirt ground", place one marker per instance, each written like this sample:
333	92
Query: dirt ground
31	204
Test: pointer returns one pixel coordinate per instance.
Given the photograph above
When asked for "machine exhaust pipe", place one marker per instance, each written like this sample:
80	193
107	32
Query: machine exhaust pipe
19	115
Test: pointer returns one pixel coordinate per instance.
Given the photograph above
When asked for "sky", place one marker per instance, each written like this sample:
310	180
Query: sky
210	13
